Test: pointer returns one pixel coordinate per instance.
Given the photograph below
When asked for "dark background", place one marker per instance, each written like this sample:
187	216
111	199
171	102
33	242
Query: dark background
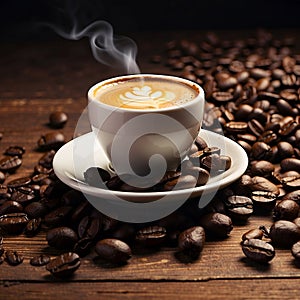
20	19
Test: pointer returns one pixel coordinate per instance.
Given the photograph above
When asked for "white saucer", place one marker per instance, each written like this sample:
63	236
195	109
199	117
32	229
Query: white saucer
76	156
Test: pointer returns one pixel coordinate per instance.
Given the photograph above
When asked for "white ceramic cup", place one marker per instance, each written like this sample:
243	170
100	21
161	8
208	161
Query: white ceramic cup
145	142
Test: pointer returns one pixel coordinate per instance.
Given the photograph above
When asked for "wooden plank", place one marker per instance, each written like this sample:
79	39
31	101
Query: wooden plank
210	290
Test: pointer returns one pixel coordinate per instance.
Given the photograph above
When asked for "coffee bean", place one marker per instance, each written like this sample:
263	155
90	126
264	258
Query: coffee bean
14	151
89	227
152	236
35	209
255	233
191	241
10	206
182	182
40	260
239	208
58	119
284	233
290	164
13	257
33	227
263	201
294	195
61	237
258	250
10	164
64	265
24	195
216	224
83	246
96	176
286	210
47	159
2	177
18	182
51	141
113	250
262	168
13	223
58	216
296	250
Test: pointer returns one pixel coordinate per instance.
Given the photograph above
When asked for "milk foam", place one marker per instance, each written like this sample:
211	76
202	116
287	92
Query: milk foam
149	93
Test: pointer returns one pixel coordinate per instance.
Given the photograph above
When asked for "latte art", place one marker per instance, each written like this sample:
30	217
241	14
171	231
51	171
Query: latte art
148	93
145	96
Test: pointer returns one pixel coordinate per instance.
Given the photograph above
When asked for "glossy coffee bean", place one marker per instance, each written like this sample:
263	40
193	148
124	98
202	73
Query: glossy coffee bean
258	250
61	237
10	164
58	119
296	250
13	223
191	241
216	225
13	257
33	227
51	141
284	233
40	260
263	201
286	210
113	250
255	233
151	236
239	207
64	265
14	151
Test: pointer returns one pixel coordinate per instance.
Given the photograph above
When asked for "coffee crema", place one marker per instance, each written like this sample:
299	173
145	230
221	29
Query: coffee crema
145	93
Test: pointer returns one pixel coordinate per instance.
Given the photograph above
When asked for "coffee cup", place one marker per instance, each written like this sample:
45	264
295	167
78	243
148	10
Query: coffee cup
145	123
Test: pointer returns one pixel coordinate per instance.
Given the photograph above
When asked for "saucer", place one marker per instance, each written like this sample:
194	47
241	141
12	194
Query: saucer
76	156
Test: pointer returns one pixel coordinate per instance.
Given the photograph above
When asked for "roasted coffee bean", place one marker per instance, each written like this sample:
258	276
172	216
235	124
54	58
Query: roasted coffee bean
294	195
182	182
33	227
13	257
61	237
262	168
296	250
2	177
40	260
15	151
13	223
239	208
51	141
200	143
96	176
191	241
10	164
64	265
89	227
201	174
284	233
58	119
263	201
10	206
236	127
24	195
216	224
58	216
255	127
290	164
261	151
35	209
258	250
255	233
222	96
151	236
286	210
113	250
18	182
259	183
47	159
214	164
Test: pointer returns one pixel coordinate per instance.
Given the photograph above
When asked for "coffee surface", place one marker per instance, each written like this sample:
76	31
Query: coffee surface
145	93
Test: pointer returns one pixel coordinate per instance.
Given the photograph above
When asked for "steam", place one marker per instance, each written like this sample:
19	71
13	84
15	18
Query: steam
115	51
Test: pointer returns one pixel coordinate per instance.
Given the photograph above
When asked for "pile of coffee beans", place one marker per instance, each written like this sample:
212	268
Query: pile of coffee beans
252	89
252	92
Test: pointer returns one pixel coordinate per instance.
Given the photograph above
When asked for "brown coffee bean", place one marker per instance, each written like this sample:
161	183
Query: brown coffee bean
64	265
61	237
284	233
290	164
33	227
13	223
40	260
182	182
296	250
255	233
51	141
10	164
286	210
258	250
13	257
152	236
113	250
14	151
10	206
239	208
58	119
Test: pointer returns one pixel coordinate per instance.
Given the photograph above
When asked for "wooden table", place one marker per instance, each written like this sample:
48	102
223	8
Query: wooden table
38	77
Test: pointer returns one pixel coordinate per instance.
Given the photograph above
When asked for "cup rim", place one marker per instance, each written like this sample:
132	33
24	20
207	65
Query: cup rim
92	98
